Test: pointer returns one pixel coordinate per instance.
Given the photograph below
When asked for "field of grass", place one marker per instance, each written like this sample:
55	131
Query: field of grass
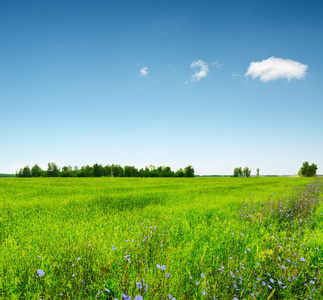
161	238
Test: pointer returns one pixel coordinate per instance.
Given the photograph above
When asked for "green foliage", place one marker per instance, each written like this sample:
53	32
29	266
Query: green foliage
98	171
237	172
52	170
189	171
246	172
36	171
258	172
308	170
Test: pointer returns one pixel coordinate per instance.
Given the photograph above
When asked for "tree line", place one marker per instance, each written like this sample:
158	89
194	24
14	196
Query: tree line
98	171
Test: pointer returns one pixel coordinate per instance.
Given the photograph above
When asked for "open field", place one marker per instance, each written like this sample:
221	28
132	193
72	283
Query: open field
68	238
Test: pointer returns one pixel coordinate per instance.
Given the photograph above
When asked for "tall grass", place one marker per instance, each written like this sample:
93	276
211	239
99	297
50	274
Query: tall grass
161	238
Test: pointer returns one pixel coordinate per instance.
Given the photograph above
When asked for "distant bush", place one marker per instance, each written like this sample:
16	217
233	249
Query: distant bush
308	170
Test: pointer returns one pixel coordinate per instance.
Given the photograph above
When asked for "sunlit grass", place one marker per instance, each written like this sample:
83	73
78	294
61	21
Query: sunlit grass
101	237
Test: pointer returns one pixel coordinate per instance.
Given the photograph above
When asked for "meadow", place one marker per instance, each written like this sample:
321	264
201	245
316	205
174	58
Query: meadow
161	238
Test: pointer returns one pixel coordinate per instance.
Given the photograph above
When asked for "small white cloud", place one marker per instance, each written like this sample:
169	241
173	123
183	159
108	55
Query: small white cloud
214	63
274	68
204	69
236	75
143	72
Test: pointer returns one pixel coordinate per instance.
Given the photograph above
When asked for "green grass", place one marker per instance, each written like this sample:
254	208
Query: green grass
186	224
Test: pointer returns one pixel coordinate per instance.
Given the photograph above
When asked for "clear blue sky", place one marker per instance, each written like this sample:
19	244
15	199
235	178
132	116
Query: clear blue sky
162	83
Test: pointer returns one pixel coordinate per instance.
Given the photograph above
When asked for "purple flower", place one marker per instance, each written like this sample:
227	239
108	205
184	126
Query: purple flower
168	275
78	258
279	282
302	259
271	280
312	282
202	275
204	293
197	283
139	297
163	267
40	272
283	267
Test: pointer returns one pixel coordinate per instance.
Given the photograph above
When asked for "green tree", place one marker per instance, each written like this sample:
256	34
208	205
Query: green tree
258	172
246	172
52	170
97	170
237	172
26	172
36	171
180	173
308	170
189	171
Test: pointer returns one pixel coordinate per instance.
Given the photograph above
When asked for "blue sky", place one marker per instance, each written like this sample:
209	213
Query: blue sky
162	83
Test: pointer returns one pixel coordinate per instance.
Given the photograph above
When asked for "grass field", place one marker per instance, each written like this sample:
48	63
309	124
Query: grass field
161	238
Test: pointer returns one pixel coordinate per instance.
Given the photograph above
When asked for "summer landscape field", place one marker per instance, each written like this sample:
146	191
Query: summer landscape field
161	238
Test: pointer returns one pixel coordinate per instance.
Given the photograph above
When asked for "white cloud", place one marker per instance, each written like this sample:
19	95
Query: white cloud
274	68
236	75
204	69
143	71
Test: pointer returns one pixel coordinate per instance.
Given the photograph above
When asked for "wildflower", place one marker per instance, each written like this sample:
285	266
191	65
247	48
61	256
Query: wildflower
197	283
202	275
248	249
89	245
158	266
264	283
241	234
73	275
312	282
269	286
204	293
107	290
39	256
78	258
288	260
302	259
163	267
40	272
279	282
139	297
139	285
191	277
73	265
168	275
283	267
